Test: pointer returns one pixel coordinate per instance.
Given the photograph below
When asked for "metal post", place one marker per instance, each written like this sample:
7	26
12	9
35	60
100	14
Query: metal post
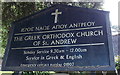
104	72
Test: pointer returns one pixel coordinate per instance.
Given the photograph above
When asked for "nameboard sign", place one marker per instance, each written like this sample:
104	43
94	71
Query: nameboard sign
60	38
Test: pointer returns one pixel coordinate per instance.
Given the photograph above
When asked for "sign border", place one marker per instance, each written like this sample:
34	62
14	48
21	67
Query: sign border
84	68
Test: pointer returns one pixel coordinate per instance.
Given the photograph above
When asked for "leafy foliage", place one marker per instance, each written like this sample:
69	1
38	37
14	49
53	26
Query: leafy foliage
11	12
117	60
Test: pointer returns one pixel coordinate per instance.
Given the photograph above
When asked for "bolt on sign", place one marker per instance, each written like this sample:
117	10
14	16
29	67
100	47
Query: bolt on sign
60	38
